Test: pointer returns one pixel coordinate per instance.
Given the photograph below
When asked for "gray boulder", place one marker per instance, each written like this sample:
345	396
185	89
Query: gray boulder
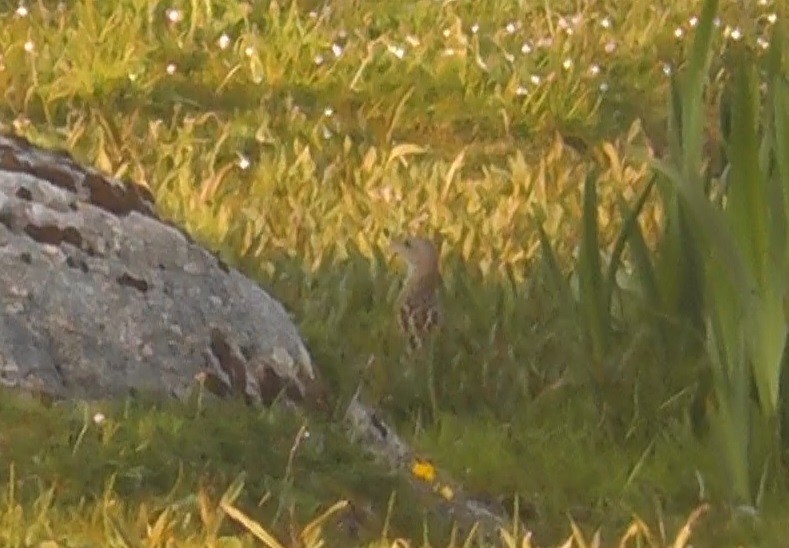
100	298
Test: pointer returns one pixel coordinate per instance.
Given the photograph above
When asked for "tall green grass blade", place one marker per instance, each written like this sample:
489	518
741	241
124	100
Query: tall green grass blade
706	221
778	123
680	273
674	122
731	427
752	216
642	262
747	200
557	280
726	349
693	92
680	267
590	276
629	226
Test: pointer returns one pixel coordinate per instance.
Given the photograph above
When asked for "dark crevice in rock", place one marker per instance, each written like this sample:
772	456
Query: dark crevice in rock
58	177
130	281
54	235
213	384
272	385
222	265
26	257
7	219
117	200
54	175
231	362
380	426
24	194
59	370
78	264
9	161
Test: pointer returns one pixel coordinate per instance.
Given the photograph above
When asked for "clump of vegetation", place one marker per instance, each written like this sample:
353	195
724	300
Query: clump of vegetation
611	187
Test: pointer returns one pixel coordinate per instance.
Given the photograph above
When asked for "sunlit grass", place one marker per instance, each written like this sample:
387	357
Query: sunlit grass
296	138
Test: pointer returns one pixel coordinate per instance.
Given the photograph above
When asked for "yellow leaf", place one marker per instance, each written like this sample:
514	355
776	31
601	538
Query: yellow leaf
370	157
401	151
102	162
468	245
613	157
250	525
457	163
311	533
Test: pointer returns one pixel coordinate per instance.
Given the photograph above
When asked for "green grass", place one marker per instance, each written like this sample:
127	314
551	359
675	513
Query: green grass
297	146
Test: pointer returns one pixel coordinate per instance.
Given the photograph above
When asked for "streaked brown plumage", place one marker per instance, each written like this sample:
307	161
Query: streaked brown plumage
419	309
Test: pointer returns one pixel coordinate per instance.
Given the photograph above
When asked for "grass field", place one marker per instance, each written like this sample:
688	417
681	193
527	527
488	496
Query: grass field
299	138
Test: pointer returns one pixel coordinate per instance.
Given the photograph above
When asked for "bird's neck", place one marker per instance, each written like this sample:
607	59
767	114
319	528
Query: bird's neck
428	279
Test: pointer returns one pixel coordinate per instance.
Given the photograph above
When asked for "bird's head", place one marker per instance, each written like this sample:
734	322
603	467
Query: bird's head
419	253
